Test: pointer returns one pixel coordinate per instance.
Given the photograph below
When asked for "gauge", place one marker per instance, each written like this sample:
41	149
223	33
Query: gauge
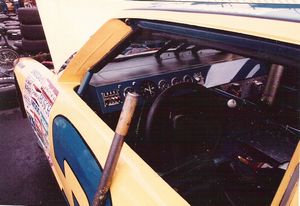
187	78
163	85
148	89
126	90
175	80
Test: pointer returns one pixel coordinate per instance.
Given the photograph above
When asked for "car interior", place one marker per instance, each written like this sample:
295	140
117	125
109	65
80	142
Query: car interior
218	112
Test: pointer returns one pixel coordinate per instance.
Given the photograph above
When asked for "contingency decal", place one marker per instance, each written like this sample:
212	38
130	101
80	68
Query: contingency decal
39	96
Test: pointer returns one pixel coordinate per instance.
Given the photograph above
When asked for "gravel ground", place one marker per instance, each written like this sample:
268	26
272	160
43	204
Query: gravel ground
25	175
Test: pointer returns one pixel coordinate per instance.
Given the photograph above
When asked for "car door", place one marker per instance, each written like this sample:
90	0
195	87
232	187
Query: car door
76	140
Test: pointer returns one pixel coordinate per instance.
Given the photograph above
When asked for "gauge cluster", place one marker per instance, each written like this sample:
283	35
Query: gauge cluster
110	95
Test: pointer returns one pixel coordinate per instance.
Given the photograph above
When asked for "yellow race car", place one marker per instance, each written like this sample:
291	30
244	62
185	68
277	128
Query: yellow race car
174	104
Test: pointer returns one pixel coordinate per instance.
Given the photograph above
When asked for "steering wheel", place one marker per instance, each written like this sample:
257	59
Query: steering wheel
159	120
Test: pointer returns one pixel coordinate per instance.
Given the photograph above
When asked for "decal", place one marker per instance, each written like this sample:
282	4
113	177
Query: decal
233	71
49	91
39	96
71	151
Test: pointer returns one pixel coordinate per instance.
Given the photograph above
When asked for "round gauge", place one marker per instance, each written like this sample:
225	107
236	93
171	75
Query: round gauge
163	85
175	80
148	89
126	90
187	78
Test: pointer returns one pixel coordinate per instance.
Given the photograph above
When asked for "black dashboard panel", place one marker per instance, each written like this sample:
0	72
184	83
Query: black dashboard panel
144	75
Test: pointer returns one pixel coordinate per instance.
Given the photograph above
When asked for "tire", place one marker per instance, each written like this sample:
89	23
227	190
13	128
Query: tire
11	23
7	84
14	36
7	57
11	14
18	44
3	30
8	96
13	31
4	18
33	32
29	16
35	46
12	27
14	18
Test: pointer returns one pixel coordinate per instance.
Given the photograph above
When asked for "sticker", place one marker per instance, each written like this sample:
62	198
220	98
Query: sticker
39	96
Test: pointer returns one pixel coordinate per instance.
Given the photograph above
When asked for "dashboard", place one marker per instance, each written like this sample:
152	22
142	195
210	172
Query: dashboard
108	88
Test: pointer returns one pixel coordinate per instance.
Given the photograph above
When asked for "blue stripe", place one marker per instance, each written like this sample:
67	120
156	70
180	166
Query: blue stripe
70	147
